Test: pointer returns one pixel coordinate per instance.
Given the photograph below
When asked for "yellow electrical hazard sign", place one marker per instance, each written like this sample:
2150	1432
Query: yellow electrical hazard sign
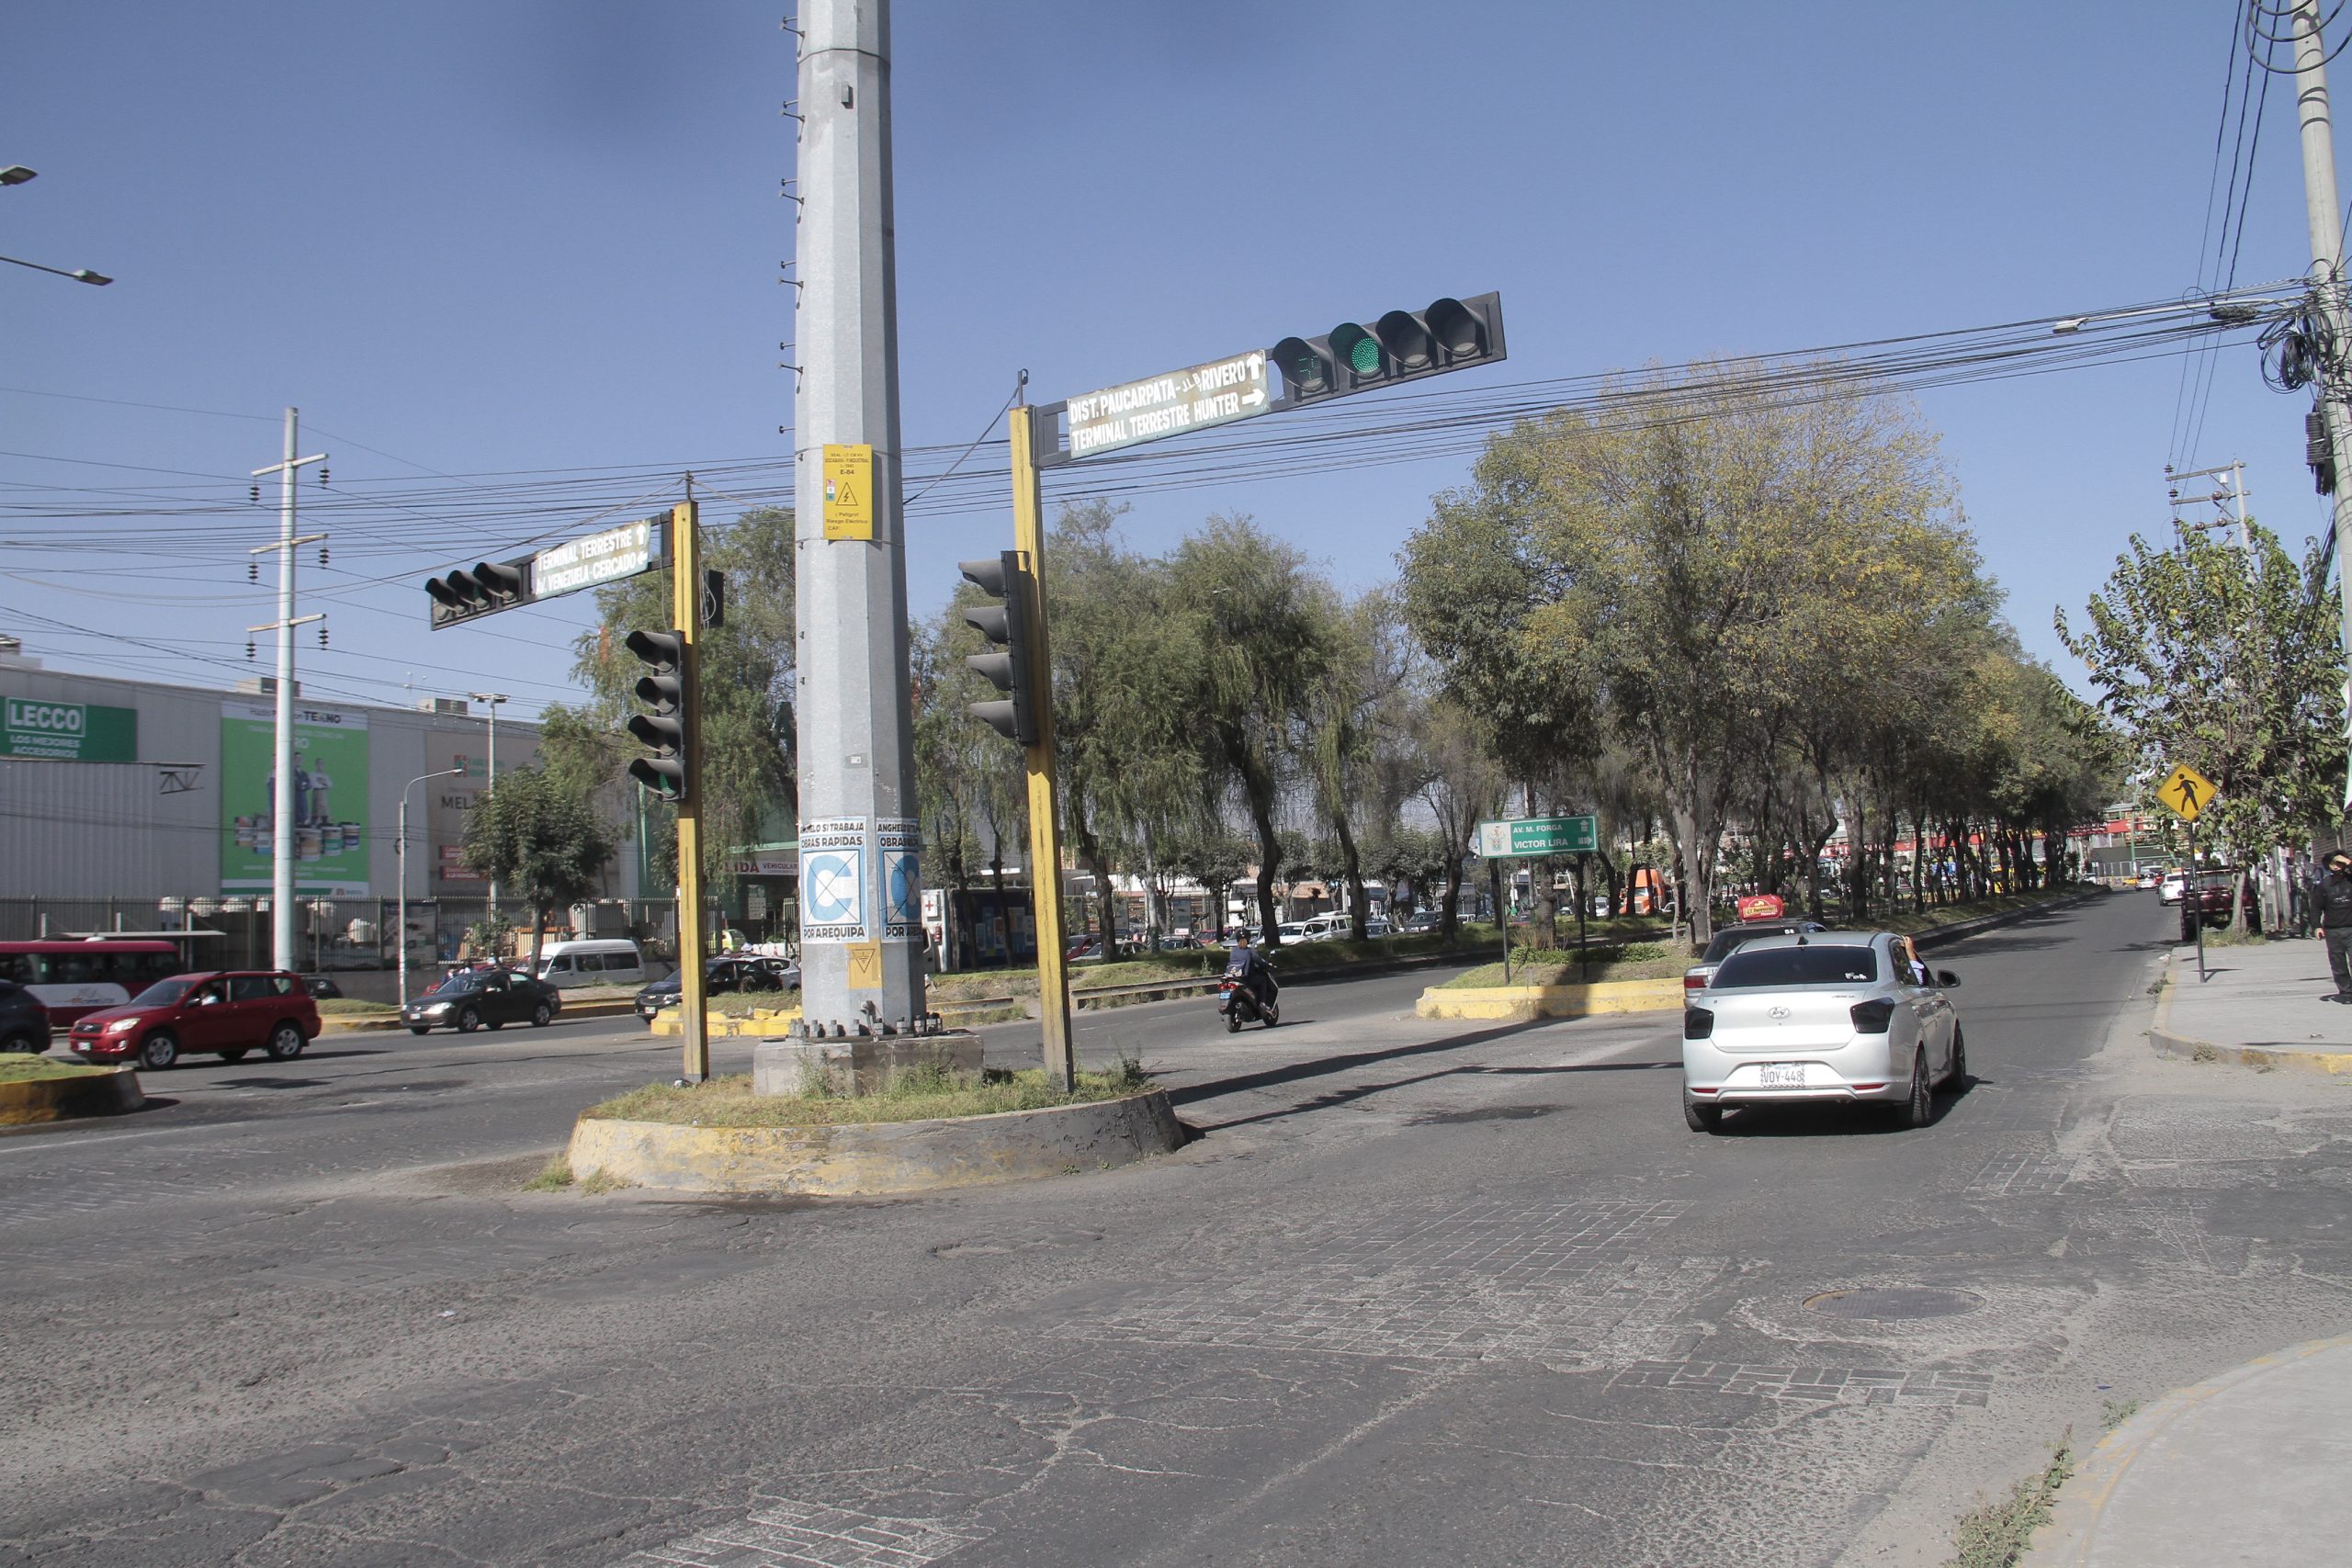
849	492
865	965
2185	793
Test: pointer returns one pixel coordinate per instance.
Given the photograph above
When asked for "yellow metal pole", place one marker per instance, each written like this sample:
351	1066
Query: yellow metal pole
686	608
1044	815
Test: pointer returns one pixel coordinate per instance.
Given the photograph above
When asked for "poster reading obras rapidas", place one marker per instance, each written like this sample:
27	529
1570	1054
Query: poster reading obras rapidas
329	825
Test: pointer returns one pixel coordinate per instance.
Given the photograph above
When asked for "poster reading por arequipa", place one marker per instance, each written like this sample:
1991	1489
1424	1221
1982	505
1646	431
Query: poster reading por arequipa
329	825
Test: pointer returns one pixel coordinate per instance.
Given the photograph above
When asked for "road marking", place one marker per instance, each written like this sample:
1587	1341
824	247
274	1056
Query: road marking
785	1533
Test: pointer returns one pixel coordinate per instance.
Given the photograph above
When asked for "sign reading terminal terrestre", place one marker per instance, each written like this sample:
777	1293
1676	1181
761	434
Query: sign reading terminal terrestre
593	560
1216	393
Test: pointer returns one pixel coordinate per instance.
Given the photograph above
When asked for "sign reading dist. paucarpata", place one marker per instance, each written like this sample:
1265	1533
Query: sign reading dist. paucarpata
1216	393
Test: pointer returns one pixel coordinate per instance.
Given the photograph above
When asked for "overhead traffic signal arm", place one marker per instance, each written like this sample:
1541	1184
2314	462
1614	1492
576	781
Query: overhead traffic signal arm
483	588
1007	624
1399	347
665	693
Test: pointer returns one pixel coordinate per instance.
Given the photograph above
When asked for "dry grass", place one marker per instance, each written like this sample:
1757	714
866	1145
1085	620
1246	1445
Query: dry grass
15	1068
556	1176
1996	1534
920	1094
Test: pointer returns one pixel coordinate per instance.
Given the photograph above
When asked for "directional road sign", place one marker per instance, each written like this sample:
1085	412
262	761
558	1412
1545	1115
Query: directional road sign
1216	393
2185	793
1522	838
593	559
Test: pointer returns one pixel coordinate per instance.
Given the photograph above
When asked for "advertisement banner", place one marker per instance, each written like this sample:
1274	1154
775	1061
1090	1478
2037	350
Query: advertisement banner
69	732
330	822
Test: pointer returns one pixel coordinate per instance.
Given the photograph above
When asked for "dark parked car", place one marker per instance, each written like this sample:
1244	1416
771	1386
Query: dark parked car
1731	939
722	974
24	1022
323	987
477	998
226	1014
2213	898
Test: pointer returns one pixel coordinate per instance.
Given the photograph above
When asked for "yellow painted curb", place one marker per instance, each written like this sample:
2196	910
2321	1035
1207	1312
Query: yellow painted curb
81	1094
723	1026
1520	1004
867	1157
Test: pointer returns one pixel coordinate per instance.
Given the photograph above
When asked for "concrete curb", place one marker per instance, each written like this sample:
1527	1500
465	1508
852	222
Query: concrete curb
2072	1533
2168	1042
1523	1004
81	1094
866	1159
613	1009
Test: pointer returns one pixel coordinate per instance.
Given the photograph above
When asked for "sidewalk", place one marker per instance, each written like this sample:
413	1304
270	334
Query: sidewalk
2261	1006
2246	1469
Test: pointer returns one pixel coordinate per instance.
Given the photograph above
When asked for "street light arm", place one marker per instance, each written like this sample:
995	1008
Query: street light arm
79	274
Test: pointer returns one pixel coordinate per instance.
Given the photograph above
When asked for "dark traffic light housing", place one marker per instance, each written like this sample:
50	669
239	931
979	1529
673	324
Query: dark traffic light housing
662	726
1008	624
483	588
1402	345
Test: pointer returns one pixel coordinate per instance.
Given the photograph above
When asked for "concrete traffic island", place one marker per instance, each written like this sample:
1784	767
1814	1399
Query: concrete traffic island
1521	1004
40	1089
870	1116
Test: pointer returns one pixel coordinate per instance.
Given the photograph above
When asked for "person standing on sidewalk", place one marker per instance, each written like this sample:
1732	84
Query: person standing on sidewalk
2335	900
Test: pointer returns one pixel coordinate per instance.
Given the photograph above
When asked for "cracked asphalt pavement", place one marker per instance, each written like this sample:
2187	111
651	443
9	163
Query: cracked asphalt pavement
1419	1293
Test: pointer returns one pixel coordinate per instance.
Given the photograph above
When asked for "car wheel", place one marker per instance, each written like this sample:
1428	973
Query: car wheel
158	1051
469	1020
1919	1106
236	1055
497	1023
285	1043
541	1016
420	1029
1703	1118
1959	1079
24	1040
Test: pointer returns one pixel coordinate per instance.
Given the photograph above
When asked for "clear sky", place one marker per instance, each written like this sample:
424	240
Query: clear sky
471	239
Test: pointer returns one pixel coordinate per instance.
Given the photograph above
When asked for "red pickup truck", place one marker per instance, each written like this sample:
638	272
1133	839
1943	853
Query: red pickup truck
2212	896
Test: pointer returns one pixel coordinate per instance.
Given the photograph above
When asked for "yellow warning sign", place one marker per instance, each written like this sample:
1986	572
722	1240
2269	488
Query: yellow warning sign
2185	793
849	498
865	965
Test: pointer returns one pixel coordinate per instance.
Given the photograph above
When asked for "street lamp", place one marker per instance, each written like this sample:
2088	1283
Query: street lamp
493	699
17	174
402	880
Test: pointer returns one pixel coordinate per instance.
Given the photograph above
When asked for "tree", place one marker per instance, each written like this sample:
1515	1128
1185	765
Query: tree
2228	659
541	838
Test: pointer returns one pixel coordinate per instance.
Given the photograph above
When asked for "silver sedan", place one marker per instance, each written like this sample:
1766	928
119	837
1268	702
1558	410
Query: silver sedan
1822	1017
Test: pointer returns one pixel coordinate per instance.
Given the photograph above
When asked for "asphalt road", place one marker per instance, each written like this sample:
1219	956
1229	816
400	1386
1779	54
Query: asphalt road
1420	1293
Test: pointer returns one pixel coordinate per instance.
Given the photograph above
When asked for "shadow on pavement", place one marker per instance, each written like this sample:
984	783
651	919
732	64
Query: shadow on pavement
1836	1121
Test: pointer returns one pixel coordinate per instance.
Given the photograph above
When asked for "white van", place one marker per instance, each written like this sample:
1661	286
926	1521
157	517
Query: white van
607	961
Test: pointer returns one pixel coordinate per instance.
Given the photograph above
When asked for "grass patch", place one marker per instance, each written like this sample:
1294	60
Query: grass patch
2117	1412
916	1095
2235	936
2204	1052
600	1180
15	1068
351	1007
1996	1534
1555	966
553	1177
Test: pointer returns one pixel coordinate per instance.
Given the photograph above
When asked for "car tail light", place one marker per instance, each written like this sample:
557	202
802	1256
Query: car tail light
1873	1017
1698	1024
1694	981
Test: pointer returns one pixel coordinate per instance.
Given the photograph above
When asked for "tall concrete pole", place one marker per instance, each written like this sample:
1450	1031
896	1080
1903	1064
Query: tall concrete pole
283	829
861	962
2326	220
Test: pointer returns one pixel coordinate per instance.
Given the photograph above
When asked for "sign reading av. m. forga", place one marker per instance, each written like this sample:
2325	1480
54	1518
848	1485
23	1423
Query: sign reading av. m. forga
68	732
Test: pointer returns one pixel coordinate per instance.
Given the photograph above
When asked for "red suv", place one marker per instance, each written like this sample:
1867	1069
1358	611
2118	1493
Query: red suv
226	1014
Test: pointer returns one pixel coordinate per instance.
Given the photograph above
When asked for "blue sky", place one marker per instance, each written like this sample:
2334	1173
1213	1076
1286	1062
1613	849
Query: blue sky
543	235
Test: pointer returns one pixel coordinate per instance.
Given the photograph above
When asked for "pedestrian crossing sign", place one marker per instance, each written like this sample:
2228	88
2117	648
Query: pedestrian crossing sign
2185	793
849	491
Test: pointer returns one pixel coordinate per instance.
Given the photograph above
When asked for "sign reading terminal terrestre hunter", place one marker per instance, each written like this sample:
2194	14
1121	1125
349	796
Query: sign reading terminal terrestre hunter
1216	393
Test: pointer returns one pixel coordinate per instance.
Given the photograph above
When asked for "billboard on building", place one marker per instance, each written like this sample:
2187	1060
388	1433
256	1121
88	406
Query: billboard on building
68	732
330	822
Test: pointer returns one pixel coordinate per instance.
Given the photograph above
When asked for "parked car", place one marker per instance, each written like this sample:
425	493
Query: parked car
24	1022
1820	1018
2170	887
1084	947
225	1013
1421	922
475	998
1290	932
322	987
719	976
2213	900
1731	939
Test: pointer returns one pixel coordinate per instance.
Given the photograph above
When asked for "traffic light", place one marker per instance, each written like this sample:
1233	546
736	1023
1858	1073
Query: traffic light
2319	452
1008	624
485	588
1402	345
662	726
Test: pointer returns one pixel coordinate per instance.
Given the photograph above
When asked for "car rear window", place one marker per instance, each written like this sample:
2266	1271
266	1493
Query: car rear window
1729	940
1840	964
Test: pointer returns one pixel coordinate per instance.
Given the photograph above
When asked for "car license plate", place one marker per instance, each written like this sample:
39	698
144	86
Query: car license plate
1784	1075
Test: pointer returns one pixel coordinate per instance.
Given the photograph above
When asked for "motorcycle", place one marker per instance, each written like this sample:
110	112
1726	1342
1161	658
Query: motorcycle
1238	1002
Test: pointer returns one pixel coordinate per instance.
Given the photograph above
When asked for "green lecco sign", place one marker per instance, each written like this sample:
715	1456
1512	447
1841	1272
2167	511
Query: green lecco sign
69	732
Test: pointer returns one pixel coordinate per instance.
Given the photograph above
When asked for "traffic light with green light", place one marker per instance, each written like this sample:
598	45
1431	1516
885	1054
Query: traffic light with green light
1399	347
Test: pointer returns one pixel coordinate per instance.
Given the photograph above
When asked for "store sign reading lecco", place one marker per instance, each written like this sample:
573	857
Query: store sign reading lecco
69	732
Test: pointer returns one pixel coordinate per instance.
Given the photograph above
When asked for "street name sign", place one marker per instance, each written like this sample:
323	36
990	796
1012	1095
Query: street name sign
1525	837
2185	793
1194	399
593	559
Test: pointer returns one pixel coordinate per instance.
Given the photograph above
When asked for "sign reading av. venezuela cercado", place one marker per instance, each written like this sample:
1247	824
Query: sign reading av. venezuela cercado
68	732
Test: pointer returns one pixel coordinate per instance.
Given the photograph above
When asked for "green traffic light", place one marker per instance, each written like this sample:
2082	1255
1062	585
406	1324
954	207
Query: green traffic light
1364	356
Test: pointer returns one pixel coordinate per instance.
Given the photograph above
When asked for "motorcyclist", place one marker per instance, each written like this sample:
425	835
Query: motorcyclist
1247	965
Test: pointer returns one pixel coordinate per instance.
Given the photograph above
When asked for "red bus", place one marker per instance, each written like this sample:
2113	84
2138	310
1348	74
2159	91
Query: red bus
75	977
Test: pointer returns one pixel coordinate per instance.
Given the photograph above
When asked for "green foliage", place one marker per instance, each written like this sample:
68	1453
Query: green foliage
539	838
2229	660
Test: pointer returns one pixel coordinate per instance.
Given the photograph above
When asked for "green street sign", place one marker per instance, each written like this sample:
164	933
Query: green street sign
69	732
1524	838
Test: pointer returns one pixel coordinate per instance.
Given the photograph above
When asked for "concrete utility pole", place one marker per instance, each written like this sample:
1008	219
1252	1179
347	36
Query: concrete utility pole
490	774
2326	218
284	830
861	946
